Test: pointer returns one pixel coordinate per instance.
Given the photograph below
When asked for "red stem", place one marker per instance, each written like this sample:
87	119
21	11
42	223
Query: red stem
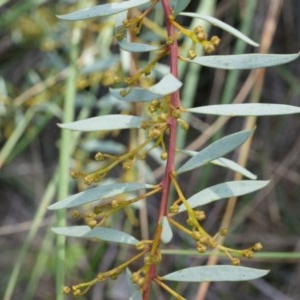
166	182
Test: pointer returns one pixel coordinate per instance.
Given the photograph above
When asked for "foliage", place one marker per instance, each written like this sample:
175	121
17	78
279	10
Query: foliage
160	130
144	100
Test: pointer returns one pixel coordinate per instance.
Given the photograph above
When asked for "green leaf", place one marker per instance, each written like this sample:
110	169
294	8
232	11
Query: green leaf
226	163
101	233
100	65
136	47
97	193
180	6
216	150
105	146
229	164
133	288
136	296
244	61
222	25
224	190
102	10
109	122
246	109
216	273
167	234
167	85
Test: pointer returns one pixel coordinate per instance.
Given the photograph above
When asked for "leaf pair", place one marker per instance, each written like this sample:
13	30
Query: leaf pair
99	193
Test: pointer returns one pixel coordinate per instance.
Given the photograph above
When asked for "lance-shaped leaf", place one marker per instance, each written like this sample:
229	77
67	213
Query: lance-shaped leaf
104	146
167	234
136	296
100	65
222	25
102	10
109	122
133	288
224	190
97	193
216	150
101	233
137	47
180	6
167	85
244	61
226	163
215	273
230	164
246	109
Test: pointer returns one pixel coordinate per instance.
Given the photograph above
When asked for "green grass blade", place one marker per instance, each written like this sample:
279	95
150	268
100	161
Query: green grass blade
64	157
38	218
40	266
15	136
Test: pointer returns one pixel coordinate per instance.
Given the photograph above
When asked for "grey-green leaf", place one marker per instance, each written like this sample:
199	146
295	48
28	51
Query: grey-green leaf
137	47
229	164
246	109
167	234
133	288
102	10
244	61
222	25
224	190
105	146
136	296
101	233
97	193
226	163
100	65
180	6
109	122
216	273
167	85
216	150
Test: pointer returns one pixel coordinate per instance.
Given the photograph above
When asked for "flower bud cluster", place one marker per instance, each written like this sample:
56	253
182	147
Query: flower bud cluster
198	35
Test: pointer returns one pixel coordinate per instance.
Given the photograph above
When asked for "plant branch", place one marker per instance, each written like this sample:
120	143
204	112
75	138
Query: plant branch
166	182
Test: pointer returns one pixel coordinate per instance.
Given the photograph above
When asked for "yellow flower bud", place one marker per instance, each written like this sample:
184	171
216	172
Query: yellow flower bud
115	203
208	47
235	261
201	248
196	235
127	165
215	40
75	214
223	232
99	156
174	208
101	277
154	133
66	290
74	174
200	215
164	155
135	277
192	54
257	247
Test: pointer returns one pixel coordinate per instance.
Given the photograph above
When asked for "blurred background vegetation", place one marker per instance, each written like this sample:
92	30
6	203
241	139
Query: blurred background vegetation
34	64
